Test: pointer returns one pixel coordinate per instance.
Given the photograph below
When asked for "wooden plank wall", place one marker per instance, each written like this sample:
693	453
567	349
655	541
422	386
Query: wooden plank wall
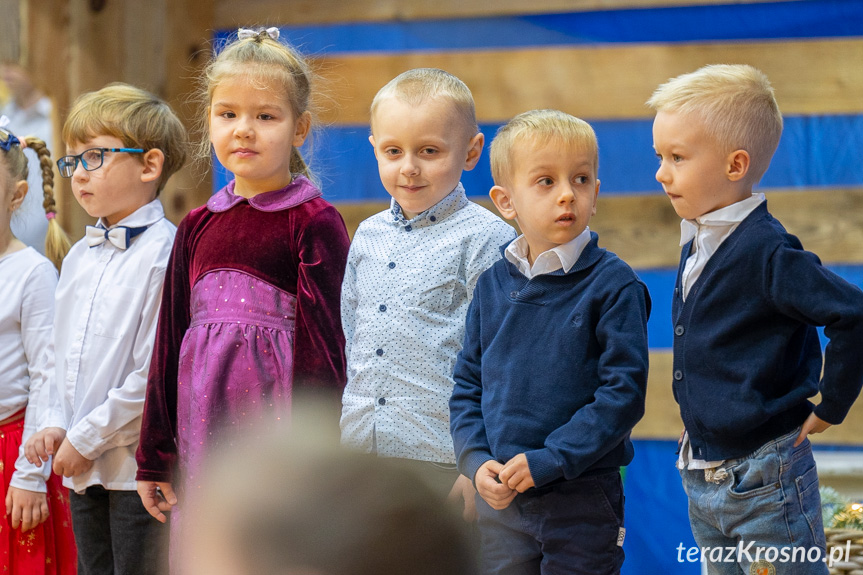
77	46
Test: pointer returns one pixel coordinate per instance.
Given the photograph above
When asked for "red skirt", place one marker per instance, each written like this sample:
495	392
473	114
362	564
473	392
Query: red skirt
49	548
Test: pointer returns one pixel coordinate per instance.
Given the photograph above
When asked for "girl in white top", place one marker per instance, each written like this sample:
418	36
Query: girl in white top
27	281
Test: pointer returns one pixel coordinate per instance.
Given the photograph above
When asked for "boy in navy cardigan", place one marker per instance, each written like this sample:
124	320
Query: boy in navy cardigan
553	372
747	357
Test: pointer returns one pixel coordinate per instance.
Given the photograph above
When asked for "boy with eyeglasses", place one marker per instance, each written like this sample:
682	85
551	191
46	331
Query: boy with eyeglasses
123	145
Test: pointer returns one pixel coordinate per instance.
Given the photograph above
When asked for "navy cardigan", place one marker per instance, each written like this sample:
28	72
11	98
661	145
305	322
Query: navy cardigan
746	352
554	367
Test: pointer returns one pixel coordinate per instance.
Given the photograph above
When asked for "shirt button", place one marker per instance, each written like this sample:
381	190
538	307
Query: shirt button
382	401
679	330
678	375
513	294
408	228
379	351
383	307
432	218
392	265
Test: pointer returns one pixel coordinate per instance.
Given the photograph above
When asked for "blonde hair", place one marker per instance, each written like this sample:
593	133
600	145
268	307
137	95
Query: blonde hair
420	84
57	243
540	127
270	63
136	117
736	104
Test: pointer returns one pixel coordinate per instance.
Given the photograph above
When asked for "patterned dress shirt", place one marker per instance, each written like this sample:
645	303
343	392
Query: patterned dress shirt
405	296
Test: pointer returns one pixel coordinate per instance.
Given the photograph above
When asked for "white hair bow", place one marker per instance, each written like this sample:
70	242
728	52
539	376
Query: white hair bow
244	33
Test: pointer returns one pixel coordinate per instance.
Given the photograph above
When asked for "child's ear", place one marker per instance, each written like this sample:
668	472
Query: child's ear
153	160
595	195
372	142
474	151
304	125
503	202
738	165
18	195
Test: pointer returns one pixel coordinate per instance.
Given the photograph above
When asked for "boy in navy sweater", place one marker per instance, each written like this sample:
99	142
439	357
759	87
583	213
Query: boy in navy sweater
553	372
747	357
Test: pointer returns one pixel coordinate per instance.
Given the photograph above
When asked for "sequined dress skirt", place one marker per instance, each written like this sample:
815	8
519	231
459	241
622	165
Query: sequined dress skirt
236	370
49	548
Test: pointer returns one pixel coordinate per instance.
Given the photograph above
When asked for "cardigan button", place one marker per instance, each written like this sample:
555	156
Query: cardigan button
678	375
513	294
679	330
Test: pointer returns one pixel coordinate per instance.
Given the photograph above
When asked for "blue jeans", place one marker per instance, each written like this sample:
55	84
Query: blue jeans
569	527
115	535
767	507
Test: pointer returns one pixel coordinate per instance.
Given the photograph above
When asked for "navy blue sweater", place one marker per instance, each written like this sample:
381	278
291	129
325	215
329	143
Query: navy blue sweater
746	352
554	367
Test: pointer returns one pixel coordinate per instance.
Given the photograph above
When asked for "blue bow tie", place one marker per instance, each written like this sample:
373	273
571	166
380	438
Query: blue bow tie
120	236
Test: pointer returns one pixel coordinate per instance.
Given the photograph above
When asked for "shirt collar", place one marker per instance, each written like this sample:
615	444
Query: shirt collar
723	217
297	192
450	204
145	216
563	256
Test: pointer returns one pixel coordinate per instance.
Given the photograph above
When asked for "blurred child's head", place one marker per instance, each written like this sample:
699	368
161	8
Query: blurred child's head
544	164
313	509
13	188
121	116
424	134
258	95
715	132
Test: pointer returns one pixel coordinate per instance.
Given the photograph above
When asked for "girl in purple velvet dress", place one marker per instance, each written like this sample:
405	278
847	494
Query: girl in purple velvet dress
250	309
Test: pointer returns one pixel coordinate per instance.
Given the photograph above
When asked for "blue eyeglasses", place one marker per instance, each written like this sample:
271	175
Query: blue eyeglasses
91	159
8	139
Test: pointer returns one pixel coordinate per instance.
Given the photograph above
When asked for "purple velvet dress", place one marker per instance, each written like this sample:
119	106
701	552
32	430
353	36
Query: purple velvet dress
250	313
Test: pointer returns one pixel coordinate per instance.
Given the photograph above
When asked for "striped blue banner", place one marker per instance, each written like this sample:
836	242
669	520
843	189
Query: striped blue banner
719	22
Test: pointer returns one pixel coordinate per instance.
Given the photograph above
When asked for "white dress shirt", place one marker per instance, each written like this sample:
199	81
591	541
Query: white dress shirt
559	257
107	308
405	296
708	231
27	283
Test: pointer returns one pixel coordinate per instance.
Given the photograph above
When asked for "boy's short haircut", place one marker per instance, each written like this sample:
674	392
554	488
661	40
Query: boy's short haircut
736	104
541	127
136	117
420	84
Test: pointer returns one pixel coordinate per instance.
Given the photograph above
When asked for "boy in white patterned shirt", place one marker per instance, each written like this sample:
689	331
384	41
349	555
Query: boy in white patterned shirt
410	276
124	144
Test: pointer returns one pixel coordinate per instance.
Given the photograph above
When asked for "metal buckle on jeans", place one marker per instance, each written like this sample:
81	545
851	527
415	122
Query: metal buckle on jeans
715	475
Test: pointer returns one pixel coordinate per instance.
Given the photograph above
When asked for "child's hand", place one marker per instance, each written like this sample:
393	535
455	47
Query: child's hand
516	474
154	501
27	508
463	489
68	462
498	495
813	424
42	444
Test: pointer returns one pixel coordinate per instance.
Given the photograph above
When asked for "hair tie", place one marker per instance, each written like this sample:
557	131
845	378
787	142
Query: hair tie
246	33
50	215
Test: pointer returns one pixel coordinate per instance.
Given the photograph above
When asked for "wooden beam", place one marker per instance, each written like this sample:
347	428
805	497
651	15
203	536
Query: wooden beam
576	79
231	14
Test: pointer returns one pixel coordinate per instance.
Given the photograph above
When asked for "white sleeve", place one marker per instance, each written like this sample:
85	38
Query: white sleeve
37	331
